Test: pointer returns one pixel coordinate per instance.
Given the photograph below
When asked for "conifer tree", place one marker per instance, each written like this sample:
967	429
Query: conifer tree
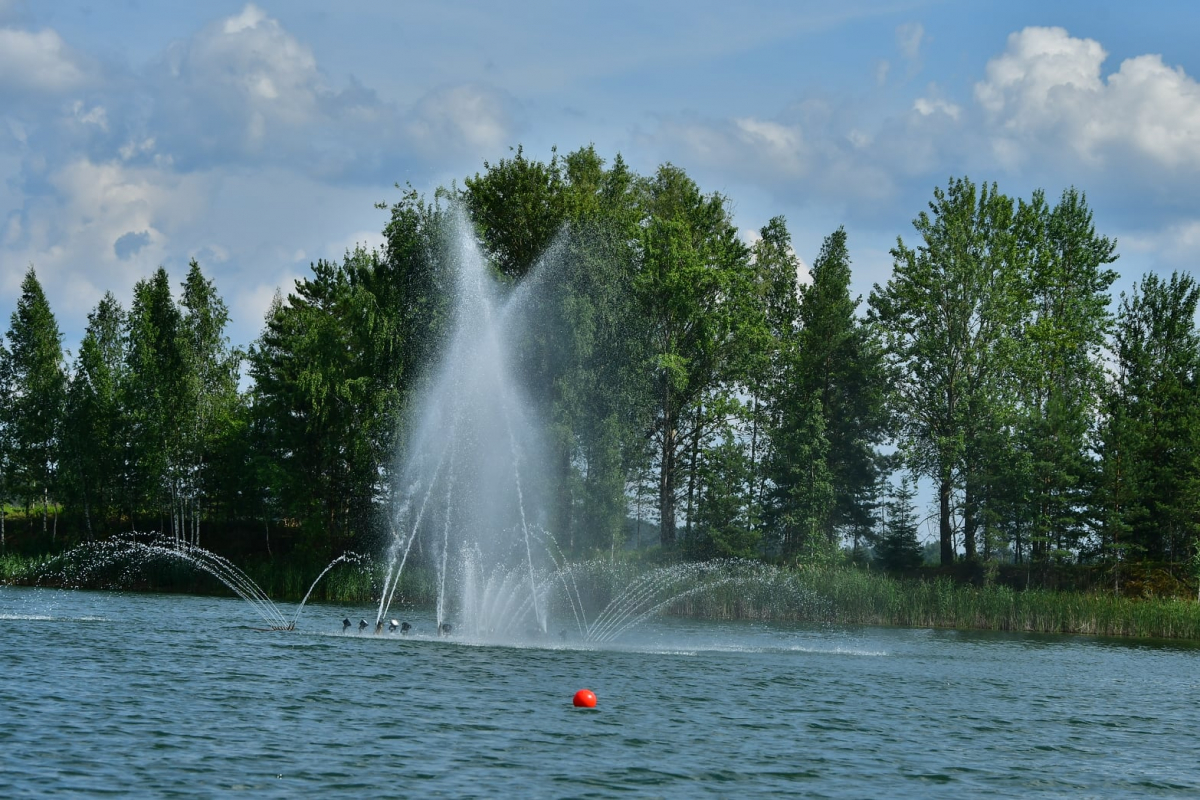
38	386
92	445
840	361
899	547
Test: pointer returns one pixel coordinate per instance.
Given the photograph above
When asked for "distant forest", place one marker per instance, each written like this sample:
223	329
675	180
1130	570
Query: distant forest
686	378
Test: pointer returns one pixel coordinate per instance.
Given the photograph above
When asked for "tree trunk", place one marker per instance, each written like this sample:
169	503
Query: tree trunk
970	519
87	516
691	491
754	510
45	509
666	489
945	532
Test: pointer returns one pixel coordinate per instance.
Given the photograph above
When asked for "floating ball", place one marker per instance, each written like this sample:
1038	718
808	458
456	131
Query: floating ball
585	698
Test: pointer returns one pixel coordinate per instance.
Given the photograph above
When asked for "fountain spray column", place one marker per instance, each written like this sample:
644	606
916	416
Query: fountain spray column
471	455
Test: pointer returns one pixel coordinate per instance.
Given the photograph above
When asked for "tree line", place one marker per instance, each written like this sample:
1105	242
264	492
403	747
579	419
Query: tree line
689	382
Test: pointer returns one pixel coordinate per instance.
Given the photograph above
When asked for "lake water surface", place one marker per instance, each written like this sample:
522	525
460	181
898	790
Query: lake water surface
170	695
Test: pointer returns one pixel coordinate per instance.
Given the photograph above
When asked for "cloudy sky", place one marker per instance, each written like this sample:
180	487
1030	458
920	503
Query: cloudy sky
258	137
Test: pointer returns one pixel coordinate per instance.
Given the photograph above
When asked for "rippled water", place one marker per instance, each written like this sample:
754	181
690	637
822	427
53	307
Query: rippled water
168	695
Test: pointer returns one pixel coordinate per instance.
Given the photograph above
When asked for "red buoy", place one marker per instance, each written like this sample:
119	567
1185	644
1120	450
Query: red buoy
585	698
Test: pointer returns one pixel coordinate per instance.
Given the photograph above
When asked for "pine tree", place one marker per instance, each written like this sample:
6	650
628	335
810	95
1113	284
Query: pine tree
899	547
1152	430
840	361
38	384
92	446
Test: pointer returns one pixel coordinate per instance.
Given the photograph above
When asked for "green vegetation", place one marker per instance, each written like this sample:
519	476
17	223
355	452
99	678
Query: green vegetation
685	377
852	596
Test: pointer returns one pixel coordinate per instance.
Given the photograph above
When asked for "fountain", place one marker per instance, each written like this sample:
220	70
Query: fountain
131	553
470	486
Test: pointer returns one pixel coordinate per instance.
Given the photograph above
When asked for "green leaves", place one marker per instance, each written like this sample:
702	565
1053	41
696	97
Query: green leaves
32	409
1151	434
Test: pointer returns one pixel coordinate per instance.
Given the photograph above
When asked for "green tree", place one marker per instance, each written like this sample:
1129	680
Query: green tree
771	354
38	384
1058	369
155	395
327	414
93	449
519	205
693	282
724	523
899	547
839	360
581	341
6	396
947	315
209	395
802	491
1152	429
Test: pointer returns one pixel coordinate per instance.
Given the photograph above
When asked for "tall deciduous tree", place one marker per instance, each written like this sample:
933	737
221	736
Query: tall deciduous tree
519	205
692	281
946	316
210	394
38	385
1059	373
155	396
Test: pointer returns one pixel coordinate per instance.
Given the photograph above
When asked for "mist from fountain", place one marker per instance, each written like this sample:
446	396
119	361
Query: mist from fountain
473	486
80	566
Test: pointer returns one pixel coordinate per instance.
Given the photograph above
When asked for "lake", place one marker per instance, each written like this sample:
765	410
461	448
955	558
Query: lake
104	693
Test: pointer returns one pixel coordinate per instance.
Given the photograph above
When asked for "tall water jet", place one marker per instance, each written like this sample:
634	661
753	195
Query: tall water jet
471	483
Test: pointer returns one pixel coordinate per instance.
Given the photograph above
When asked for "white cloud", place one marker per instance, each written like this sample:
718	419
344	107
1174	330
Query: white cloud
909	38
782	144
1046	90
470	117
926	106
1175	244
38	62
249	74
250	17
96	115
102	226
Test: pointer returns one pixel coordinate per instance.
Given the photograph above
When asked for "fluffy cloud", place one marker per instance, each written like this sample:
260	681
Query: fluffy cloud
38	62
245	90
100	226
233	147
470	118
242	87
1046	92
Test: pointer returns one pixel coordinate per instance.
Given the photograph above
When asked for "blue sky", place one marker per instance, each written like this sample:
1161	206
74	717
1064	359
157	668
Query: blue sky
257	137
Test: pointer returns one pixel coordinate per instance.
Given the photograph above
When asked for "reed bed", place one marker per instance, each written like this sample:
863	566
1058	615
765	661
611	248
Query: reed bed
858	597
